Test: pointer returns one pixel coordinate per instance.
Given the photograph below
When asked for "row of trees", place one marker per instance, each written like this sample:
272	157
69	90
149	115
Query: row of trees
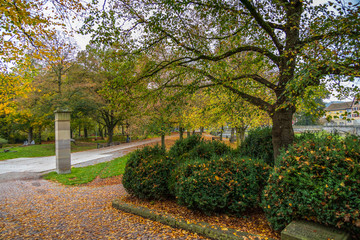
226	62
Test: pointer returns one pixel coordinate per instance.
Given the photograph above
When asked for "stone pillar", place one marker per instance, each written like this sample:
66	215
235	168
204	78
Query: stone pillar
62	141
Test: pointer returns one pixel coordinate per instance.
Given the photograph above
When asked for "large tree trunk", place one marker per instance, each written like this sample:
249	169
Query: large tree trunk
30	134
181	132
163	141
110	134
282	130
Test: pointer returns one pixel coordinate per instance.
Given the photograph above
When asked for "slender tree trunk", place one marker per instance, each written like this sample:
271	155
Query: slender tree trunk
85	132
240	135
193	132
30	134
188	133
181	132
71	133
221	133
232	136
79	131
122	130
163	141
201	130
282	130
39	135
101	134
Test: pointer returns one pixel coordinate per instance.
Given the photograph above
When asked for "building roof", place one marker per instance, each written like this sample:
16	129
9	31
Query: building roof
339	106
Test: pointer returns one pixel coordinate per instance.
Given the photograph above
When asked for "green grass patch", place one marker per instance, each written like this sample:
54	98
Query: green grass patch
42	150
87	174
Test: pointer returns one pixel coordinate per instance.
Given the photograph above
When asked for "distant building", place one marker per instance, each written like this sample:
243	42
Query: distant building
344	113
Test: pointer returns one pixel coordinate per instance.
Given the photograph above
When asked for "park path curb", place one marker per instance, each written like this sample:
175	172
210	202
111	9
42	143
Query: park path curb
204	229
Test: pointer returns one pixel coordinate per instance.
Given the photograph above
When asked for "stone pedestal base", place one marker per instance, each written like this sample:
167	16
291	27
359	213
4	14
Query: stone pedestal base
303	230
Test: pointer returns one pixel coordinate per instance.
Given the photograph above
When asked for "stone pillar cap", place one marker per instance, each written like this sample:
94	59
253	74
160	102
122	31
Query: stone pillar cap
62	111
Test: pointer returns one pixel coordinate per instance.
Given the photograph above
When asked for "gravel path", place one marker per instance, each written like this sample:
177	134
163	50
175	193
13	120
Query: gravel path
39	209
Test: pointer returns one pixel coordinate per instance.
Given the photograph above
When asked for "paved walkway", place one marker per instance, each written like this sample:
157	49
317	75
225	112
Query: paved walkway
33	168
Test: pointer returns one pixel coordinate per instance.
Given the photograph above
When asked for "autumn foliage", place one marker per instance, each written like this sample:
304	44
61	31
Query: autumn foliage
317	179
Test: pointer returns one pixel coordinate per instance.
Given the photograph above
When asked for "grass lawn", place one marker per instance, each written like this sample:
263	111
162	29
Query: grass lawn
87	174
42	150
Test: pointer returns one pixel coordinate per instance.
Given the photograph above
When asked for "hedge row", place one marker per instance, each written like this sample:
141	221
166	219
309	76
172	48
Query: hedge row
318	179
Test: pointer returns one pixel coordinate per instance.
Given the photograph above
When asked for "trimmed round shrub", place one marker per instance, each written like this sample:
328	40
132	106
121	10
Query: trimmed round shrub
319	180
258	144
221	184
147	172
3	142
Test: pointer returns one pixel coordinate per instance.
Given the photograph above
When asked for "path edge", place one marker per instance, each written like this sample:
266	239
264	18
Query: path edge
204	229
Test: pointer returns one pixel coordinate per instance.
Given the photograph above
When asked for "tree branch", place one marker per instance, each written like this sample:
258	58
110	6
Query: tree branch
263	24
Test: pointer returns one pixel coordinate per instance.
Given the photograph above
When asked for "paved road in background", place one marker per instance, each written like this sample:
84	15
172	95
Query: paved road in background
33	168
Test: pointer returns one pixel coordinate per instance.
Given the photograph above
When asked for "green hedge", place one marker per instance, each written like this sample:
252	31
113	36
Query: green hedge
183	146
147	172
317	179
221	184
258	144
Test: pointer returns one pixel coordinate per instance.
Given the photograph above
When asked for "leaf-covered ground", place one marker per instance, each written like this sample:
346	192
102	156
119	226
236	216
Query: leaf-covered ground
41	209
252	222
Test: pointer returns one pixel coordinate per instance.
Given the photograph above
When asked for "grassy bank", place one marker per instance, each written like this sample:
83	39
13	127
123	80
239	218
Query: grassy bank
87	174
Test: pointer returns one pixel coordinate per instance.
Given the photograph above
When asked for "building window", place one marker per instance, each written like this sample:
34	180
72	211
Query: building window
355	115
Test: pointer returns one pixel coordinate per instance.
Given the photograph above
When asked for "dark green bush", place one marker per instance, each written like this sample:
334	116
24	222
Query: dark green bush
184	146
147	172
207	149
258	144
200	149
3	142
317	179
221	184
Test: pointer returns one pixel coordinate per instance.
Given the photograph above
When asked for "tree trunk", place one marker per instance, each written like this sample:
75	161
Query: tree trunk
101	134
188	133
122	130
30	134
221	133
193	132
201	130
85	132
282	130
181	132
79	131
163	141
232	137
110	134
39	135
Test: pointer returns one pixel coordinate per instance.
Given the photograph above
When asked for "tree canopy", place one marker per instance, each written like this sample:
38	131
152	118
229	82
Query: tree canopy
302	46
